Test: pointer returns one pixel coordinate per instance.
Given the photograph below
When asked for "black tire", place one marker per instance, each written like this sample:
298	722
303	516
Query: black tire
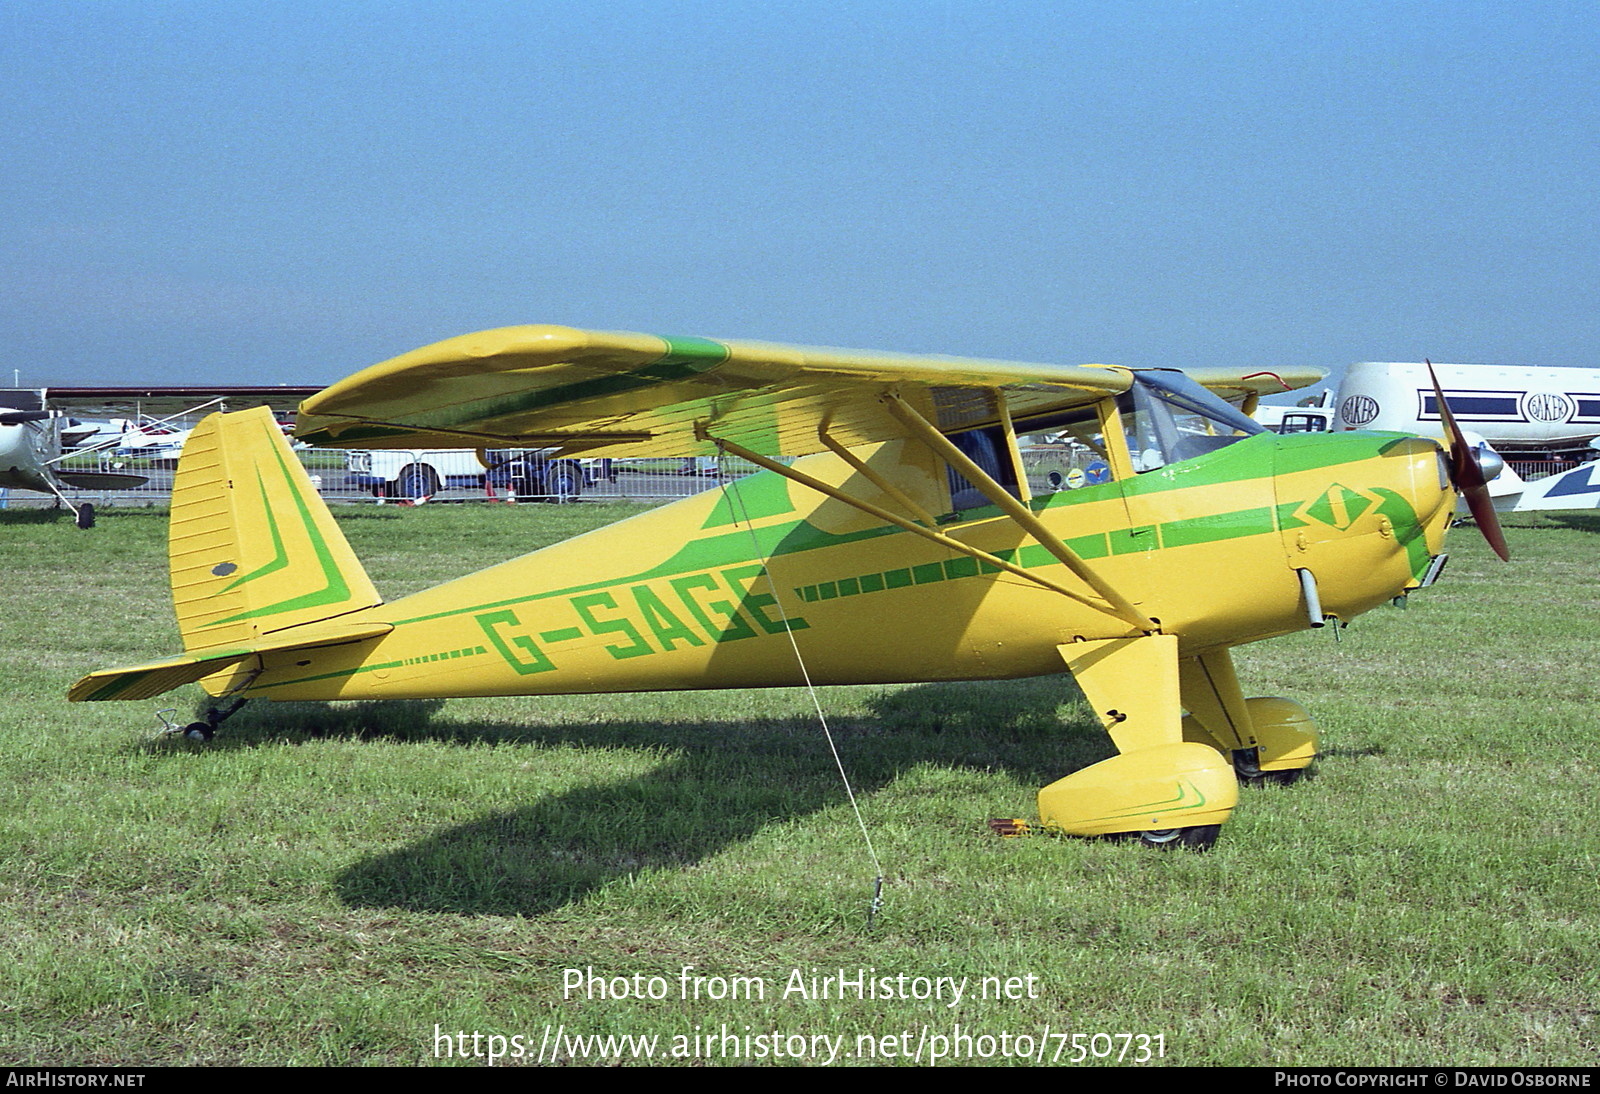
1198	838
1284	778
85	516
563	481
415	481
1247	769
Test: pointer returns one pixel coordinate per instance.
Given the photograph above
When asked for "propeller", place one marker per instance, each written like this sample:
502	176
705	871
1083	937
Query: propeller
1467	477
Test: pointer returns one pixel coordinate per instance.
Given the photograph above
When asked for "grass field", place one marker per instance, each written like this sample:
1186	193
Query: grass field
344	883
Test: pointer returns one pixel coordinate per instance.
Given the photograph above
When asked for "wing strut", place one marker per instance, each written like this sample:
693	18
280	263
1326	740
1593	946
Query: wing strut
1120	606
901	522
866	472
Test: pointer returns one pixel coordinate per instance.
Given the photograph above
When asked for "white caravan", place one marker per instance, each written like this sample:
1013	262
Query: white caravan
1522	411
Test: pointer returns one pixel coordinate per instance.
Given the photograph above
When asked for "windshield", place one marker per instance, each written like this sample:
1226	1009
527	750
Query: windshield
1169	417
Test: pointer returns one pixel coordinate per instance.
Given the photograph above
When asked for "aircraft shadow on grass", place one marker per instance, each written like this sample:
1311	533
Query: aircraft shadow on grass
722	783
40	514
1582	522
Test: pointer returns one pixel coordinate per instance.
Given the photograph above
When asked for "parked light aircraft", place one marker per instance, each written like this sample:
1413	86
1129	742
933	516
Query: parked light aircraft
904	544
37	438
33	443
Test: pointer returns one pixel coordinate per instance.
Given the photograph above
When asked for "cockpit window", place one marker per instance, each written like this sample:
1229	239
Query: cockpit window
1169	417
1064	451
986	448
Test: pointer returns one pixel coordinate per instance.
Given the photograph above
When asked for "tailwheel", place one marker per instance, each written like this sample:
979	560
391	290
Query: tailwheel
1197	838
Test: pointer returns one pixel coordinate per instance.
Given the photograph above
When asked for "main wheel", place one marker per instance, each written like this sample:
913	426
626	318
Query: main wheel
1247	767
85	517
1198	838
1284	778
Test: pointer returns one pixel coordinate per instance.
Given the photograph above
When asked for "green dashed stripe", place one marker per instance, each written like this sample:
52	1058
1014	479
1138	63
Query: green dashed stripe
928	573
442	655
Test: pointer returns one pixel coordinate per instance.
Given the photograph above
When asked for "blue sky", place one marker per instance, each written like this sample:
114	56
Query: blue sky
287	192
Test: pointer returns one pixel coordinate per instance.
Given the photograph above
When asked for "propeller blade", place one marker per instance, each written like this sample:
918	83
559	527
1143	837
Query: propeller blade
1467	476
17	417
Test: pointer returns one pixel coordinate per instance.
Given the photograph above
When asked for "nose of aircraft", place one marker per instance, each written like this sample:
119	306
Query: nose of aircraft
1425	484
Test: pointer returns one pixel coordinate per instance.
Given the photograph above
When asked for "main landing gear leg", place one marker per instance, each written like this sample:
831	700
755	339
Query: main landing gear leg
1161	789
1269	740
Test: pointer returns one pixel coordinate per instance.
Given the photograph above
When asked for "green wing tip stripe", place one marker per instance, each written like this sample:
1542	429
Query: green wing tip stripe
689	350
115	687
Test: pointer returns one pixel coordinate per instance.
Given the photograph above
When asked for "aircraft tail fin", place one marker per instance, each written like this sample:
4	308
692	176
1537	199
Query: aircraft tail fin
253	549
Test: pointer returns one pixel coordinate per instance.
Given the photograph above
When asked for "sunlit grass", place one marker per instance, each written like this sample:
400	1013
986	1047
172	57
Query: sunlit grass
326	883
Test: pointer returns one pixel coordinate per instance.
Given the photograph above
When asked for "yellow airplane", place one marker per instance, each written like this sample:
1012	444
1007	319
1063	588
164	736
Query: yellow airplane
903	543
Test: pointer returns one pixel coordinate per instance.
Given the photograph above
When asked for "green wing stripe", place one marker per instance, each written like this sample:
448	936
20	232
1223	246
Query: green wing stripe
685	358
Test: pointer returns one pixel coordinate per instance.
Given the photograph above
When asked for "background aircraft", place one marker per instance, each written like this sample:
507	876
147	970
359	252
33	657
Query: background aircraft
33	444
38	440
1528	425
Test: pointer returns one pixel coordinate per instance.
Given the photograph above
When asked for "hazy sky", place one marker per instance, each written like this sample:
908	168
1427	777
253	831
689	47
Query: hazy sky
285	192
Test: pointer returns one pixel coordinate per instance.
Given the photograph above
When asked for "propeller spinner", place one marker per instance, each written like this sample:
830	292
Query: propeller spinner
1467	476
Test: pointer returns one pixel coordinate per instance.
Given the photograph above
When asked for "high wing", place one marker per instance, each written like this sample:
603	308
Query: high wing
611	393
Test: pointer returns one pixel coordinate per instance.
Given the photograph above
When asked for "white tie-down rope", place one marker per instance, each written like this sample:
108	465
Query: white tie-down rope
730	488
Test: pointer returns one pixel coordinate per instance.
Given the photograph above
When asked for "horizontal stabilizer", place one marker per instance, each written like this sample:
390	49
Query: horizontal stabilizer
146	681
1578	488
96	480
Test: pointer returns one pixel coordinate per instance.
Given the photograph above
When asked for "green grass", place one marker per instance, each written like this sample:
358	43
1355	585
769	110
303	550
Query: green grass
327	883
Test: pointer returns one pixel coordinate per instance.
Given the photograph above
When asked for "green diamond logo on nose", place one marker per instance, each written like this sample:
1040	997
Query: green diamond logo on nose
1338	507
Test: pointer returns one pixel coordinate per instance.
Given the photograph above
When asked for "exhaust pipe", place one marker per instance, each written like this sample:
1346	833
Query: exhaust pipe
1308	590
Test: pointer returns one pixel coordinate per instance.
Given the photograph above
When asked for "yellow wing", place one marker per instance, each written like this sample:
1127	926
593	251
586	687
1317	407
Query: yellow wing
610	393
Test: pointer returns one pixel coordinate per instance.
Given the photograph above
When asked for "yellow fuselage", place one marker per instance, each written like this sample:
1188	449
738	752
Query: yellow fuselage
705	592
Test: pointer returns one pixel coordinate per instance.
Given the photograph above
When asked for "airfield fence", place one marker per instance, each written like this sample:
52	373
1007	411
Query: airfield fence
332	474
1538	469
1049	467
